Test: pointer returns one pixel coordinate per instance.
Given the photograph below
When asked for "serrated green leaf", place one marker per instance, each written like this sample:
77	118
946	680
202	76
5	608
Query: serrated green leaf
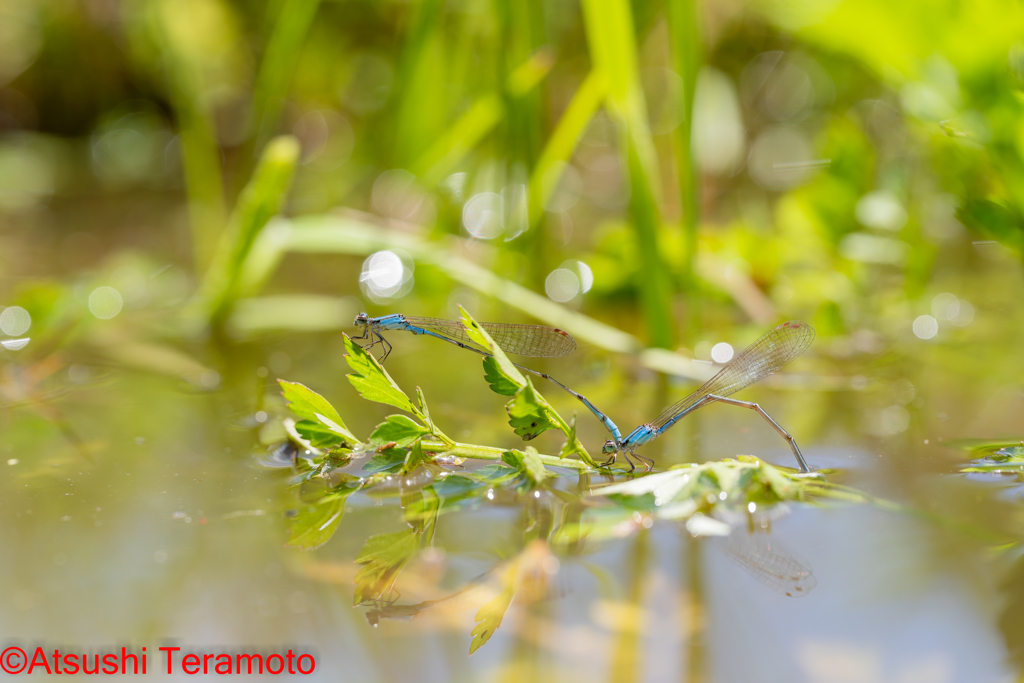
501	365
383	556
315	524
372	381
319	434
310	405
500	383
529	414
528	463
398	428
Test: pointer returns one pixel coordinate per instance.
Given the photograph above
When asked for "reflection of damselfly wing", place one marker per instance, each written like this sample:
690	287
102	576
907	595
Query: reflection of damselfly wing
769	563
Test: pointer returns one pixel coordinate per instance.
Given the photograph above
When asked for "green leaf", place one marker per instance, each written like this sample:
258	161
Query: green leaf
258	202
372	381
319	434
500	383
415	458
315	524
423	407
389	461
383	556
528	463
529	414
310	405
570	447
501	365
398	428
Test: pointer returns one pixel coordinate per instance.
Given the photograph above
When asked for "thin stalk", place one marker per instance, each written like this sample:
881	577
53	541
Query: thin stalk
466	450
279	63
201	153
687	48
609	25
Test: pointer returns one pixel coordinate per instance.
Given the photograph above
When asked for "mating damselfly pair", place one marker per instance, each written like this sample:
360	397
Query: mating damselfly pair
765	356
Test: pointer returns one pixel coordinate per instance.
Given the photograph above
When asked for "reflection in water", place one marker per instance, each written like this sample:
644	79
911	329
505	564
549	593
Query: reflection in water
769	563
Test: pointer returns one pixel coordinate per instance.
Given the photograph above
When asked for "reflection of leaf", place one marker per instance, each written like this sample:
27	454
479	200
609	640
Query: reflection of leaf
528	463
315	524
398	428
310	405
488	618
372	381
528	572
318	434
390	460
528	413
1011	619
500	382
383	556
421	508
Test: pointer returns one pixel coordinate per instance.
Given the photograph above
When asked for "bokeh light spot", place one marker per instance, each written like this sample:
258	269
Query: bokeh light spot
562	285
895	419
385	276
15	320
721	352
105	302
483	216
926	327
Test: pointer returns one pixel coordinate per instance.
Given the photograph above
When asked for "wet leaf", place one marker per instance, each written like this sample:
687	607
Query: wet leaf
734	483
454	486
529	413
315	524
495	474
398	428
372	381
528	463
389	461
319	434
310	405
383	557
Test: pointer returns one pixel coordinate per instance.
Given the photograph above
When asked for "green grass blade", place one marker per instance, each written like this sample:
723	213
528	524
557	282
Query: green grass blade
609	26
685	37
279	62
467	132
259	202
563	140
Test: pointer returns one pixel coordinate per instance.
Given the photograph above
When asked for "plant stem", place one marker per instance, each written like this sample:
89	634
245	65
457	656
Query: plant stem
686	41
476	452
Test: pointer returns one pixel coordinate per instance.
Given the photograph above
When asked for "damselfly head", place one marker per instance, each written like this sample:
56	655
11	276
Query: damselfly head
361	320
609	447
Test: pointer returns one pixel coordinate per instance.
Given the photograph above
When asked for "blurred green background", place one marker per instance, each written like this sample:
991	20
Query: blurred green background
198	196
